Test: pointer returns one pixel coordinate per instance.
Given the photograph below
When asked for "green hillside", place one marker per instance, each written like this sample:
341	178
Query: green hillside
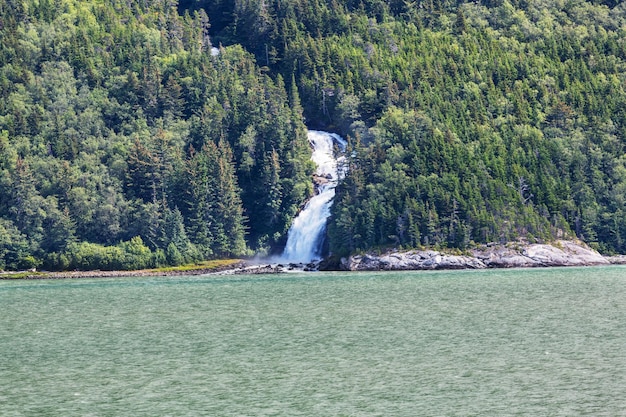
125	142
471	122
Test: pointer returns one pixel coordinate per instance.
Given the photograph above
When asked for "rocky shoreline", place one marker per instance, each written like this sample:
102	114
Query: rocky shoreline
512	255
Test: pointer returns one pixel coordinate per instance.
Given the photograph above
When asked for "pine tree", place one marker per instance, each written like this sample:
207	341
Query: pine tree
200	196
143	178
230	233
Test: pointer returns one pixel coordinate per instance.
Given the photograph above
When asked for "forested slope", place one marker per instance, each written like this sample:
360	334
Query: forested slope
470	122
125	142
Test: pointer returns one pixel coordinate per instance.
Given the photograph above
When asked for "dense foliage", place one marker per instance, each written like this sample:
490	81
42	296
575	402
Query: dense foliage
125	142
470	122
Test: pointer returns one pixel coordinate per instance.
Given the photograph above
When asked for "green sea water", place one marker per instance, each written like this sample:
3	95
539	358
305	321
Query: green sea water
537	342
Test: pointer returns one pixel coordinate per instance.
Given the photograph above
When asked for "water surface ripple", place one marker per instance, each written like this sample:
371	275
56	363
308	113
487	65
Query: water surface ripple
543	342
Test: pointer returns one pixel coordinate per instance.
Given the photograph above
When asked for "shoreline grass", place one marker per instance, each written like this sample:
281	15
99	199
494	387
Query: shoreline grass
216	265
198	268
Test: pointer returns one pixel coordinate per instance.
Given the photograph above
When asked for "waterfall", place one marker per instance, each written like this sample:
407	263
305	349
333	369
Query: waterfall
306	235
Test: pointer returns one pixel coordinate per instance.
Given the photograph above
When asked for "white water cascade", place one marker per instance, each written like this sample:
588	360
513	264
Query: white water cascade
306	235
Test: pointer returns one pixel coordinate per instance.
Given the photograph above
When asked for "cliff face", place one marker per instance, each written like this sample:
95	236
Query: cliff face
515	255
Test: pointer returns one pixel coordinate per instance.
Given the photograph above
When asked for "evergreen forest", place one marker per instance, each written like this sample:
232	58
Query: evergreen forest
143	133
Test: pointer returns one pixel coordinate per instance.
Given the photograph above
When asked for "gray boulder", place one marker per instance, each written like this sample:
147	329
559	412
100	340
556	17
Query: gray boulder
513	255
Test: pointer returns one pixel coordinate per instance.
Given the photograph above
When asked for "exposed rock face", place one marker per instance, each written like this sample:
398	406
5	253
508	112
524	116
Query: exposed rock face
516	255
617	259
413	260
560	253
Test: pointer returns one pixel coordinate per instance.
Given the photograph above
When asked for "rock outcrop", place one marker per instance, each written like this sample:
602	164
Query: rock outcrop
412	260
513	255
617	259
